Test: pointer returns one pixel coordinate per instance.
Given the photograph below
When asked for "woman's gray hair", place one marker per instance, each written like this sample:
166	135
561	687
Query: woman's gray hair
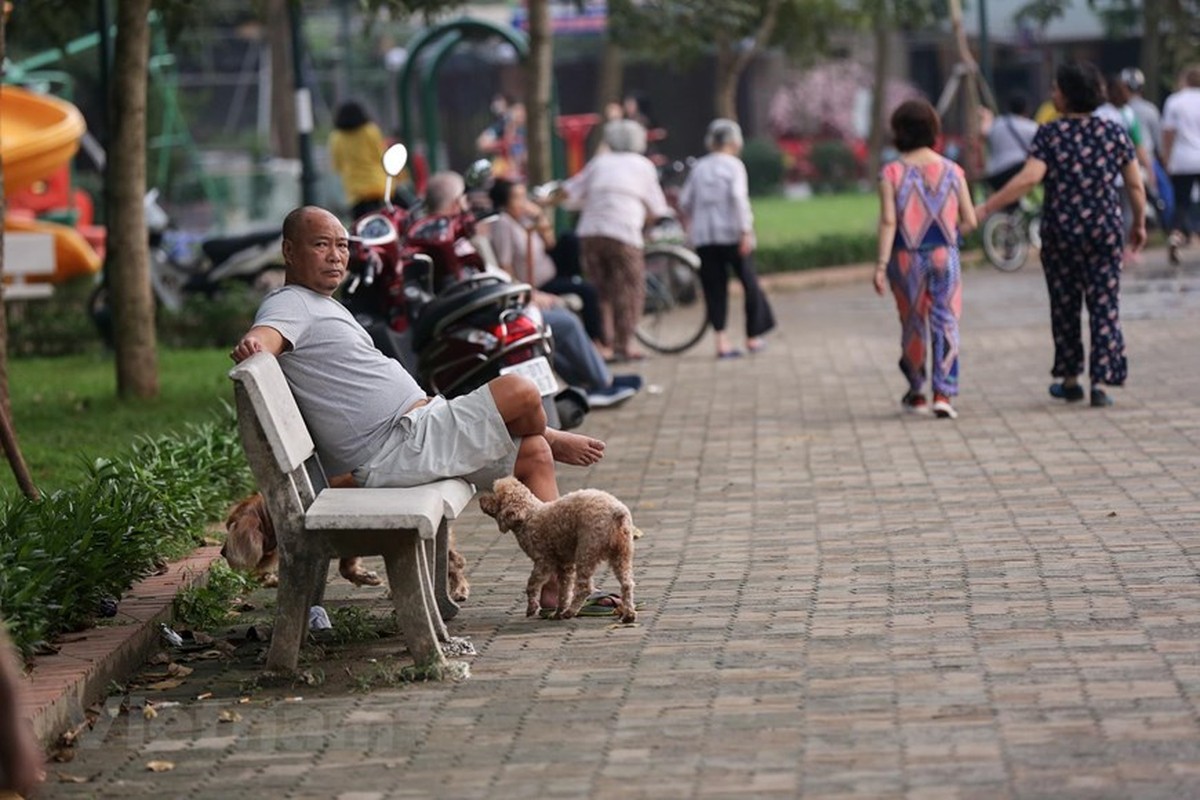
625	136
722	132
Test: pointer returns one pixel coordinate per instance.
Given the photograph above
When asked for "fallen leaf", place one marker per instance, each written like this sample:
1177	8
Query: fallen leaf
176	670
162	686
229	716
160	766
160	658
1112	513
65	778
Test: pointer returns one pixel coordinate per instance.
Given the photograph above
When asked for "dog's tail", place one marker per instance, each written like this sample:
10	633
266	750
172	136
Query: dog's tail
625	520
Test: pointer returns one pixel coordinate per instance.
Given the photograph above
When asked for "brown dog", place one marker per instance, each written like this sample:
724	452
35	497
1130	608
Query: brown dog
568	539
250	545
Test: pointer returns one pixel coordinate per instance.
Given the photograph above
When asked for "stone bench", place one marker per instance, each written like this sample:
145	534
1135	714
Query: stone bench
314	523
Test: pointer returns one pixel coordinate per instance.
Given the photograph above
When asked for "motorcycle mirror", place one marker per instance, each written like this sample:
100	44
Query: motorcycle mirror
479	174
545	192
394	159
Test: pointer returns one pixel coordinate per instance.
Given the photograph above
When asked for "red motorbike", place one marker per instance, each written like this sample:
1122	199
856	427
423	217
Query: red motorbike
423	292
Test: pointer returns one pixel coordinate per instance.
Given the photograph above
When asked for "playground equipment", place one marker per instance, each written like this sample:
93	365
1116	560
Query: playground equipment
443	39
39	136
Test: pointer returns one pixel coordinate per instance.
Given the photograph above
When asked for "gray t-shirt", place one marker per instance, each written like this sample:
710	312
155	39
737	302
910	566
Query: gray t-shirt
349	392
1008	142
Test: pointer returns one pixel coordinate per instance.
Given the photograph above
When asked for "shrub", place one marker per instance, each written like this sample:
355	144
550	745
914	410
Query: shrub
62	554
834	166
54	326
764	166
217	321
826	251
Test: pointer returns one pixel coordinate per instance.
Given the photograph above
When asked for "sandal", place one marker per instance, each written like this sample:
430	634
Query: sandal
1072	394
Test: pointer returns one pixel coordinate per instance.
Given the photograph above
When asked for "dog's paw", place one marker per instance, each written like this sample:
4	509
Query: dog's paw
532	610
269	580
565	613
628	615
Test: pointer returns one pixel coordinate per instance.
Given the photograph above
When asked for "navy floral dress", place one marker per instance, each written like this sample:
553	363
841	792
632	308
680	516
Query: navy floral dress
1083	240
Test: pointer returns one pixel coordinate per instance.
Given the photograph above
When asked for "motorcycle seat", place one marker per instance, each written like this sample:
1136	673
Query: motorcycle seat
451	306
224	247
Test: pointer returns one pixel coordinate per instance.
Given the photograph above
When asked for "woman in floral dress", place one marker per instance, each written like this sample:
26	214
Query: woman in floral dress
1081	157
924	201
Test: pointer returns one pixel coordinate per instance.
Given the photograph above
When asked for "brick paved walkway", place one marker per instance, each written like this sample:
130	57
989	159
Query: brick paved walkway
840	601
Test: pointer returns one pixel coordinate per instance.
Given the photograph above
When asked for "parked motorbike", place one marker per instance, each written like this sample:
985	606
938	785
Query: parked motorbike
184	264
423	292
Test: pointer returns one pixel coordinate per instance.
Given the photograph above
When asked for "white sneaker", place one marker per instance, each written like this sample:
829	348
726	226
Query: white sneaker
610	396
943	409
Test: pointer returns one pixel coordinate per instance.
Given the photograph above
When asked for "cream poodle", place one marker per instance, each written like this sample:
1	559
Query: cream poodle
567	539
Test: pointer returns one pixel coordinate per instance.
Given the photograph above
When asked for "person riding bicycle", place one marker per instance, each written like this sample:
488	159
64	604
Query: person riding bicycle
1008	138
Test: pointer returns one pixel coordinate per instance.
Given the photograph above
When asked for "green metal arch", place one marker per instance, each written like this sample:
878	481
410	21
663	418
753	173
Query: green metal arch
463	27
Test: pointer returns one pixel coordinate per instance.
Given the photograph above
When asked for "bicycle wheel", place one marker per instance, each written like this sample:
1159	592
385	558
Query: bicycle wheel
674	317
1005	242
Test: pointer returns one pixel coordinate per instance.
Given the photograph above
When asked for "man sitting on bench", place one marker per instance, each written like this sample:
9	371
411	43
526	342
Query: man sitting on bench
367	415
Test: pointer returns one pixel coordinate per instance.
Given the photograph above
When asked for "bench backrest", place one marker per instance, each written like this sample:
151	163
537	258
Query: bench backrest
277	442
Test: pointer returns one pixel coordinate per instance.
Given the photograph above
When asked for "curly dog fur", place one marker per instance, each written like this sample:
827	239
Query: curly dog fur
250	546
567	539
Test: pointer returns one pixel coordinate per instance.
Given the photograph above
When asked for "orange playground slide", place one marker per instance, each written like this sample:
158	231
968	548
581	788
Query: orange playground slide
38	135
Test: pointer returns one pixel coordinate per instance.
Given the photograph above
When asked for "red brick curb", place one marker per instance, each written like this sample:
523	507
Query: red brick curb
62	685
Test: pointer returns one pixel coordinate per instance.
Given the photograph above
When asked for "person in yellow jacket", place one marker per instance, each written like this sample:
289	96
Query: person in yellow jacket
355	149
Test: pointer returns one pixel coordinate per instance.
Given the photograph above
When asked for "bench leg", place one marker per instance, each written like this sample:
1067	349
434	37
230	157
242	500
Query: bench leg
441	572
299	576
410	597
428	585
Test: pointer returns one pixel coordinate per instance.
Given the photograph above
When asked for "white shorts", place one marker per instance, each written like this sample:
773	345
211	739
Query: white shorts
461	438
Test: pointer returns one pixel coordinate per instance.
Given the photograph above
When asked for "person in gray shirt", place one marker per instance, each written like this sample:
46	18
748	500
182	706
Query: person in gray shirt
1147	113
367	415
1008	138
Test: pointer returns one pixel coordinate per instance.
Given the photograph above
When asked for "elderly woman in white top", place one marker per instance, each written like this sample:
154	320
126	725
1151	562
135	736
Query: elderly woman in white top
617	193
717	202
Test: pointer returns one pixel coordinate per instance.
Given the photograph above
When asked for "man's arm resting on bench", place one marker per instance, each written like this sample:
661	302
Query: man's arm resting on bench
260	339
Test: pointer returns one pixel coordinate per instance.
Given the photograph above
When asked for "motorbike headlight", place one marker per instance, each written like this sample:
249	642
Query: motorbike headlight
376	230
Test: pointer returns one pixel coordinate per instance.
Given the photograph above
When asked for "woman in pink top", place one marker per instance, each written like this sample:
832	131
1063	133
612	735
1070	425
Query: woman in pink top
617	193
924	201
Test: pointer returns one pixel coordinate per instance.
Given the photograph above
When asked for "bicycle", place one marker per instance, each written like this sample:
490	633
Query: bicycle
1008	236
674	316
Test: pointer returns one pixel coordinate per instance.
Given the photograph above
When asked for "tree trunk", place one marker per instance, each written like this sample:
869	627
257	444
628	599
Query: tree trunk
972	147
611	83
1151	55
878	125
731	63
726	84
128	258
538	77
8	435
285	140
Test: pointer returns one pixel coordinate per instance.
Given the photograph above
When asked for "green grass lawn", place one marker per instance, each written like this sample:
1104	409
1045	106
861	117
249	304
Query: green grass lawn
779	221
66	411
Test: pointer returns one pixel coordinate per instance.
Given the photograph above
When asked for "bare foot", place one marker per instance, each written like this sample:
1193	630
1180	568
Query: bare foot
351	569
573	448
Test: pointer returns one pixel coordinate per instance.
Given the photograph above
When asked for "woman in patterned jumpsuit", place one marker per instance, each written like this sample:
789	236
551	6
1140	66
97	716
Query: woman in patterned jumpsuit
924	201
1081	158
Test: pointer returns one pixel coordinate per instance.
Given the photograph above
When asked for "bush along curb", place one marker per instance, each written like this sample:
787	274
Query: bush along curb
65	557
